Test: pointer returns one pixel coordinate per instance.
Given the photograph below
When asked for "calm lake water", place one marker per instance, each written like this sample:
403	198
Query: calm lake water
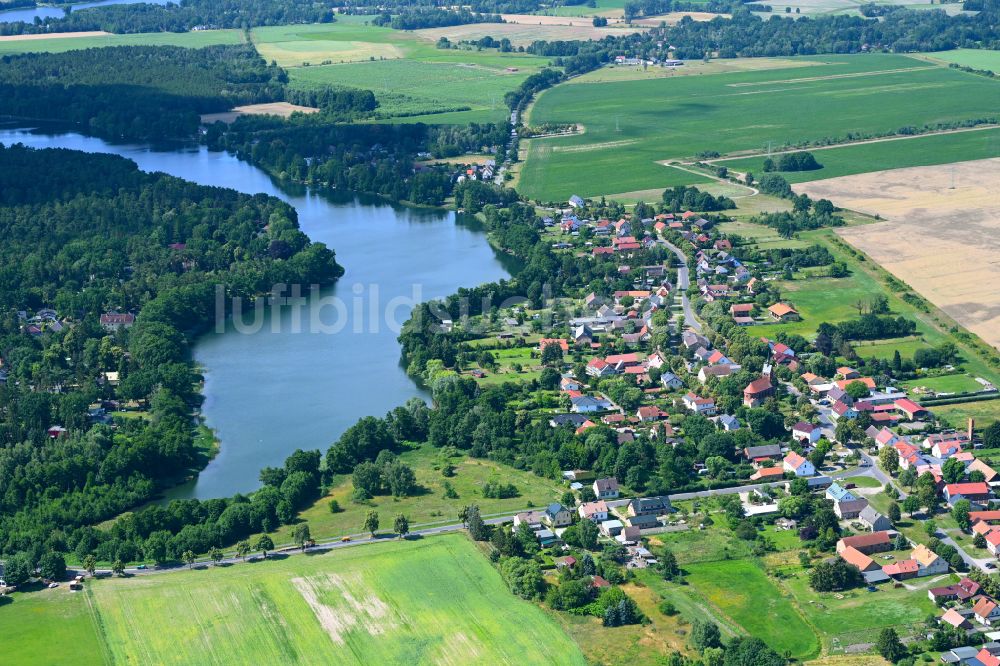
29	14
273	391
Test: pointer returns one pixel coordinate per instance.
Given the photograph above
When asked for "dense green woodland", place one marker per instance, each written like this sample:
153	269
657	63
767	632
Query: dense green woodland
87	233
136	92
181	17
367	157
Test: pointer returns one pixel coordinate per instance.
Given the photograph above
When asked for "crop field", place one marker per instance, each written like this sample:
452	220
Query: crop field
975	58
436	600
199	39
632	126
741	590
428	504
941	236
523	29
408	74
928	150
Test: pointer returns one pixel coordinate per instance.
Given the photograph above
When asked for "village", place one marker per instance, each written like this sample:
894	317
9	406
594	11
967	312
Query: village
666	346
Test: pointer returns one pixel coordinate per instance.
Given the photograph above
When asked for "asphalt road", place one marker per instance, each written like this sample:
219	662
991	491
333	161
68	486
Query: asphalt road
683	284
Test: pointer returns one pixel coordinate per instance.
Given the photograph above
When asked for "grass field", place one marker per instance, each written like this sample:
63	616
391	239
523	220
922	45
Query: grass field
945	384
894	154
984	413
975	58
741	590
59	45
428	601
408	74
681	116
430	505
45	626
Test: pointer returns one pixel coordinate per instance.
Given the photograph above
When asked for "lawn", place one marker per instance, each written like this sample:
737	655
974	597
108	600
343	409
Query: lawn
45	626
741	590
430	505
193	40
696	546
423	601
886	349
863	481
410	76
894	154
859	615
974	58
944	384
765	238
681	116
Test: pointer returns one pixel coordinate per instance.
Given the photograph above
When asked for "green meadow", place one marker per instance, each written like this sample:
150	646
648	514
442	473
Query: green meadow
974	58
893	154
192	40
412	78
631	126
741	590
434	600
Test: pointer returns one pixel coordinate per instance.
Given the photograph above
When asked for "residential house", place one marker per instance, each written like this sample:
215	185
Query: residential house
954	619
742	310
651	506
849	509
783	312
717	371
556	515
729	423
595	511
629	535
698	405
974	492
611	527
606	488
930	563
902	569
671	381
842	384
798	465
986	611
977	465
570	384
961	591
692	340
571	420
806	433
586	404
112	321
874	520
650	413
534	519
598	367
842	410
643	521
838	493
848	373
757	391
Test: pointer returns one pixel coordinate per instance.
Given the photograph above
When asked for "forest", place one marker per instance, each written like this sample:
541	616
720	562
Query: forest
86	234
136	92
180	17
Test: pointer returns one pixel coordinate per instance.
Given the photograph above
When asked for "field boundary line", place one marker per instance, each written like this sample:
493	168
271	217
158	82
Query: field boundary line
832	146
830	77
98	622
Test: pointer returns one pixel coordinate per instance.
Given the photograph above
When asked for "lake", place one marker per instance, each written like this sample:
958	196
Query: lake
272	391
29	14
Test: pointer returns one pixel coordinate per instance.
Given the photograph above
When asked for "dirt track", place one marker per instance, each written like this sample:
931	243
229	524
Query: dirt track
942	234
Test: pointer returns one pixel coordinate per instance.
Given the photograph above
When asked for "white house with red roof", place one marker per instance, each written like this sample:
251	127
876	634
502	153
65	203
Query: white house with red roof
798	465
807	433
598	367
699	405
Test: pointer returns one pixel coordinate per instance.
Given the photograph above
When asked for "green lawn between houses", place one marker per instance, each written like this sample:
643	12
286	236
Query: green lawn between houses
431	600
633	125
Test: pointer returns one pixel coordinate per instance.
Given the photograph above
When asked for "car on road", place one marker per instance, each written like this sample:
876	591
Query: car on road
344	539
989	565
141	567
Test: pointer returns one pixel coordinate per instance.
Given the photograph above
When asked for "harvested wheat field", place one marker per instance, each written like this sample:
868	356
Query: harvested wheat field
53	35
526	30
282	109
942	234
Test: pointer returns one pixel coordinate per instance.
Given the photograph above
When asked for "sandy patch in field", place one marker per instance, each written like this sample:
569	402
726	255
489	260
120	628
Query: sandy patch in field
54	35
368	612
527	29
942	241
283	109
673	18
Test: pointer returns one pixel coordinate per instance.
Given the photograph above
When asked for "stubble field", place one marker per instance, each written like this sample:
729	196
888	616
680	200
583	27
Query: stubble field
941	237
